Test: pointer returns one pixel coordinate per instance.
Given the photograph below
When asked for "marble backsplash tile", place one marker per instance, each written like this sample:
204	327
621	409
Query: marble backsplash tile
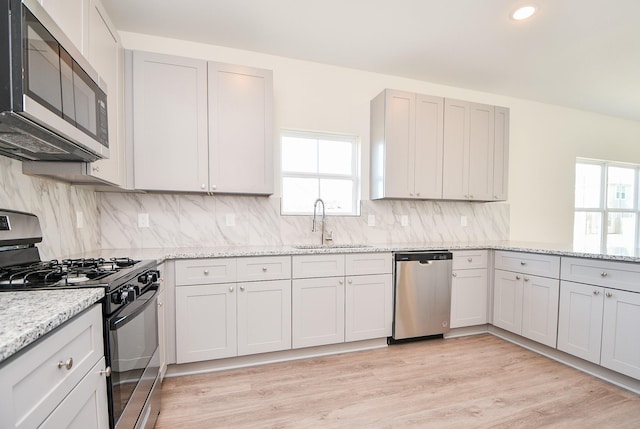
189	220
56	205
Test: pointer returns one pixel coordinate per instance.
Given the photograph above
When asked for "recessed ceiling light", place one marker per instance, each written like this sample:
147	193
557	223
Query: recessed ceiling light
524	12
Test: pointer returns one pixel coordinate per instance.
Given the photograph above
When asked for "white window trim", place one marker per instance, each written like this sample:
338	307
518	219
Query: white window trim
603	209
355	167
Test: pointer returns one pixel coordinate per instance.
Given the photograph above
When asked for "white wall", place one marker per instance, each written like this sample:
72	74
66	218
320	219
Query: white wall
545	139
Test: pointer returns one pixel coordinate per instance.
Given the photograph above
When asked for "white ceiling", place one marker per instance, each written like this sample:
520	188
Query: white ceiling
577	53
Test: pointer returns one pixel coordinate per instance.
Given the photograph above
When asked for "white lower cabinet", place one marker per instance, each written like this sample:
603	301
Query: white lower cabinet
205	322
526	305
368	309
228	319
469	288
61	381
580	320
264	316
318	311
597	324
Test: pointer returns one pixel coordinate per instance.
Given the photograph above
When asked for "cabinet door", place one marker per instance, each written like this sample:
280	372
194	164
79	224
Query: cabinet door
501	154
507	301
480	157
540	309
620	345
455	181
170	116
318	311
106	56
72	18
469	296
162	332
429	146
205	322
368	307
240	129
85	406
580	320
264	316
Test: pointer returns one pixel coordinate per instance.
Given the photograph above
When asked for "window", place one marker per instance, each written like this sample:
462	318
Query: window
606	207
319	166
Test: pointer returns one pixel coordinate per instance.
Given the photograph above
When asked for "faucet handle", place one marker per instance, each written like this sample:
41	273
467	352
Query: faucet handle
329	236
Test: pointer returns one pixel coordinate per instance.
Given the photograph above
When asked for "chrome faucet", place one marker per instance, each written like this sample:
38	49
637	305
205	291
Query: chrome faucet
313	227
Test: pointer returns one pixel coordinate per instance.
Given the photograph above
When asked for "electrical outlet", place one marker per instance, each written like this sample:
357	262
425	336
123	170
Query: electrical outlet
230	219
404	220
143	220
79	219
463	221
371	220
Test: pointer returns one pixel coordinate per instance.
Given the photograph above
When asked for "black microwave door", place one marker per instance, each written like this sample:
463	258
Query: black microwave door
42	64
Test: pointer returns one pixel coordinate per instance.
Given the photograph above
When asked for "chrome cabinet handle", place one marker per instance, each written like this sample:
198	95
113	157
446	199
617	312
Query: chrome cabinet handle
106	372
470	259
454	274
608	294
518	277
264	269
340	282
526	279
203	186
349	281
242	288
230	288
67	364
596	292
523	263
604	274
206	272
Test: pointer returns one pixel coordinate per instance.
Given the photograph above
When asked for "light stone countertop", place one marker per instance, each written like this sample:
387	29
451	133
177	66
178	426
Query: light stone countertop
26	316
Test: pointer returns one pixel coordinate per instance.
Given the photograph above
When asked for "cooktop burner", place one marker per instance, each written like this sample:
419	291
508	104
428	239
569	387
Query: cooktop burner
83	272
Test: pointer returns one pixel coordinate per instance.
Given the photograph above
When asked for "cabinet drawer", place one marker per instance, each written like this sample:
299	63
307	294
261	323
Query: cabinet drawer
33	384
469	259
264	268
528	263
309	266
616	275
205	271
368	263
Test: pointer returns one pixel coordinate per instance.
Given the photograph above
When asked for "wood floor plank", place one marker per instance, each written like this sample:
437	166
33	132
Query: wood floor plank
471	382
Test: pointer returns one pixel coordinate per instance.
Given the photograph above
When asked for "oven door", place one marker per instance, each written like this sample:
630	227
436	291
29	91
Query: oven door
133	357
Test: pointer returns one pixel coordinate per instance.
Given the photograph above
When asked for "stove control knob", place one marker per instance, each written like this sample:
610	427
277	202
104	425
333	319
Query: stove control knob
131	294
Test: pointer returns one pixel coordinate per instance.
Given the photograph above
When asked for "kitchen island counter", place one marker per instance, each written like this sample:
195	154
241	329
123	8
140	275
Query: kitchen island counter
27	316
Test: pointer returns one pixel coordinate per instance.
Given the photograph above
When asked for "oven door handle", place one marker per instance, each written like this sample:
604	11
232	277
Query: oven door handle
131	311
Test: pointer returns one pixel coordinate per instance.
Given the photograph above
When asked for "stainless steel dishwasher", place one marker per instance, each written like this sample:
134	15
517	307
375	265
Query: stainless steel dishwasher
422	287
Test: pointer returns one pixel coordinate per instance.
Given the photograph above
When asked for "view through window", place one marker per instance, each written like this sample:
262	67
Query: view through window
316	165
606	207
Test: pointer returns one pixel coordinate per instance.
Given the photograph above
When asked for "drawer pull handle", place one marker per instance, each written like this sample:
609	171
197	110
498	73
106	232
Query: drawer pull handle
526	279
596	292
230	288
242	288
106	372
349	281
518	277
454	274
264	269
67	364
609	294
206	272
523	263
604	274
470	259
340	282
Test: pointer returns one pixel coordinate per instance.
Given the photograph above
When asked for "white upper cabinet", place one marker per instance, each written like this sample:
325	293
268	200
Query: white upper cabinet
468	151
72	16
425	147
201	127
170	145
240	129
406	145
107	57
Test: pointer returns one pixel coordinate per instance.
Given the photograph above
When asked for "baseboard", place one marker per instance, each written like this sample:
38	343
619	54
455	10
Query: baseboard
178	370
590	368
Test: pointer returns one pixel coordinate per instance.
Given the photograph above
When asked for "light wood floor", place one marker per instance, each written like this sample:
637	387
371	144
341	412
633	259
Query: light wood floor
472	382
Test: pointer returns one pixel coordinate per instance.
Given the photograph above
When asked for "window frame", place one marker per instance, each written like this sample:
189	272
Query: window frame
603	208
355	177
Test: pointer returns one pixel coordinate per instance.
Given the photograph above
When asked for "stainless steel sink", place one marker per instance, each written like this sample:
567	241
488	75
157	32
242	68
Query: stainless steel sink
330	246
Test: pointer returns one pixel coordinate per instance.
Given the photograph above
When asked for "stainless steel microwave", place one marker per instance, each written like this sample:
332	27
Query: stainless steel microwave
52	106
